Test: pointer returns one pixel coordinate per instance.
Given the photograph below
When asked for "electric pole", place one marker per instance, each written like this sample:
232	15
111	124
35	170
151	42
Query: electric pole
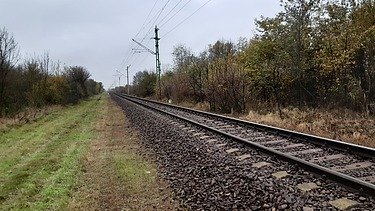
157	57
127	77
119	77
156	53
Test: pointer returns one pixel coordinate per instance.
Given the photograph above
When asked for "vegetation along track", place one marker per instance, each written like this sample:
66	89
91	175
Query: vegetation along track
348	164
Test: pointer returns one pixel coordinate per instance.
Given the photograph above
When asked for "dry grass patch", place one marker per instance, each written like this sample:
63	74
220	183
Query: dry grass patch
25	116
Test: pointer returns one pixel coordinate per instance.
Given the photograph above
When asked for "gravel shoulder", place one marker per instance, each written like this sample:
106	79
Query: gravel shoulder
118	175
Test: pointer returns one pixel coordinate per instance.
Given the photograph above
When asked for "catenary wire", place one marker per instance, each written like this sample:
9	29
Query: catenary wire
144	23
186	19
129	54
170	11
183	6
156	19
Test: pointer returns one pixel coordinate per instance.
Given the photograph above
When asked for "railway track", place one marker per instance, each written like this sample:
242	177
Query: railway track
349	164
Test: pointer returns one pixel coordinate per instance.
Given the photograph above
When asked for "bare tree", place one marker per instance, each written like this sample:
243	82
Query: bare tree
45	63
9	55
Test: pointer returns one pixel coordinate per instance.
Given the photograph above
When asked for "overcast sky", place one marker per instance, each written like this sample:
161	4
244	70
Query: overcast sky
97	34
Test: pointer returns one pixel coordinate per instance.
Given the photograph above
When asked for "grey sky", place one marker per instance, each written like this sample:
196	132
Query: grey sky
97	34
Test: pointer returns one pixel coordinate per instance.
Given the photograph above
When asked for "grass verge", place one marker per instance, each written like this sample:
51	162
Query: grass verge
40	162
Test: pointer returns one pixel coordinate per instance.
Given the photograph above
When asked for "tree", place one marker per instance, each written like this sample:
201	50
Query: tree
168	84
144	83
347	52
77	77
363	17
57	90
183	60
34	83
9	54
93	87
267	72
226	78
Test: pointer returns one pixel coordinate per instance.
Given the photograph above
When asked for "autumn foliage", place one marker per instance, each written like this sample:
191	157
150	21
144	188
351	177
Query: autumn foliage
38	82
315	53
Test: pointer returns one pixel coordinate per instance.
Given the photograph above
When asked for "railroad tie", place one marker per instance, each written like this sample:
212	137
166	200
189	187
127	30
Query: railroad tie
275	142
226	126
197	134
280	174
343	203
353	166
260	164
327	158
307	186
211	140
303	152
288	146
220	145
232	150
243	157
369	179
259	138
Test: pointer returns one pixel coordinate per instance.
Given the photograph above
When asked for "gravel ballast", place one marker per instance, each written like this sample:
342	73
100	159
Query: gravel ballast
206	173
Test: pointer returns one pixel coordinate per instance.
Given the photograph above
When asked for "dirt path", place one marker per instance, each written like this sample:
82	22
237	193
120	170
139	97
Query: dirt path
116	176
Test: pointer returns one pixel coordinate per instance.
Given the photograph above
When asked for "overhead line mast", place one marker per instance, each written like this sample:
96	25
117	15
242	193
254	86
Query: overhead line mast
157	57
127	78
156	53
119	77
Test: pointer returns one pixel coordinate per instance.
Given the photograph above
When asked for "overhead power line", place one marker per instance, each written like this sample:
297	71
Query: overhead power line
129	54
151	25
161	11
183	6
144	23
186	18
170	11
156	16
156	19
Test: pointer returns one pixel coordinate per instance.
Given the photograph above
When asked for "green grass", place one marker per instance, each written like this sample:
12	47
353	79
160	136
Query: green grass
136	173
40	162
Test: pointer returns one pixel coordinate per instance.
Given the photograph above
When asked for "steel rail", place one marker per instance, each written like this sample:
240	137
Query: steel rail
346	180
336	144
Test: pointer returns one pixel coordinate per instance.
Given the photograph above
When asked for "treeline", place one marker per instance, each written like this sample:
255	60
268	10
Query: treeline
313	53
38	82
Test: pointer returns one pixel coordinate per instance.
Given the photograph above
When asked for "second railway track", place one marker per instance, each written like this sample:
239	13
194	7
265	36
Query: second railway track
348	164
